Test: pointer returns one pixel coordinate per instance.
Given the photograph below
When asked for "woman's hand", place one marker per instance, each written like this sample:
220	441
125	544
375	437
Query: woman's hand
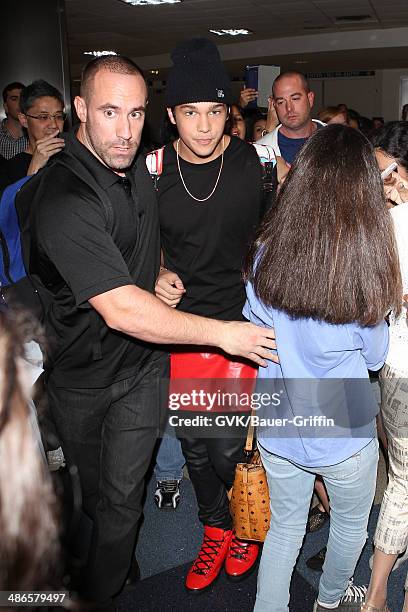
246	96
396	189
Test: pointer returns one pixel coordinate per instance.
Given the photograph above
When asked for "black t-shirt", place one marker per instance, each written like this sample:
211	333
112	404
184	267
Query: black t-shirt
206	242
81	249
14	169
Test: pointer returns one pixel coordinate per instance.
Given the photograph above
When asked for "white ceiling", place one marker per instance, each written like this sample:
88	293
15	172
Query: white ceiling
149	33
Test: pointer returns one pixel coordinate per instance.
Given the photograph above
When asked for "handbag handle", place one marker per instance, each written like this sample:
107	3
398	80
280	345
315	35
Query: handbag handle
250	436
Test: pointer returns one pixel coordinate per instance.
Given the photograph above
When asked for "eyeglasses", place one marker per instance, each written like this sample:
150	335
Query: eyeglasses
43	117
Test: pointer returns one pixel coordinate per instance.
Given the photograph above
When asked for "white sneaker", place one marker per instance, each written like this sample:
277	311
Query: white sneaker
353	597
351	601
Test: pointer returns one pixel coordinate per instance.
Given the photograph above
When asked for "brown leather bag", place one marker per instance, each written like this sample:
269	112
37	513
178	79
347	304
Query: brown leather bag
249	496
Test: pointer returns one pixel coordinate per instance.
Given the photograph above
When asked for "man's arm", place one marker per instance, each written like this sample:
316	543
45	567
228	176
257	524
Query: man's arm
136	312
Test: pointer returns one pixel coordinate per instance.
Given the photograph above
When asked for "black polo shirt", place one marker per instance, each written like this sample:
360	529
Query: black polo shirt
82	249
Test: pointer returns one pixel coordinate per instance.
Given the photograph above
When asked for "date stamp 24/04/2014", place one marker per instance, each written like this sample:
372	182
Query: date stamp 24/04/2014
10	599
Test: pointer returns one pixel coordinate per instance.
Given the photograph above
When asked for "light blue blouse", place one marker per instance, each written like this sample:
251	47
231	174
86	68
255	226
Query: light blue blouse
321	386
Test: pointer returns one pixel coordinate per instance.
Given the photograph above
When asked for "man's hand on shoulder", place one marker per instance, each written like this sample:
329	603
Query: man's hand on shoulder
169	287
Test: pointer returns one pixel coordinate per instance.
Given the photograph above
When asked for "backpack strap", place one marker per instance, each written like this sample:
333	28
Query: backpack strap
7	280
21	288
154	160
74	166
267	159
13	267
77	168
154	163
82	173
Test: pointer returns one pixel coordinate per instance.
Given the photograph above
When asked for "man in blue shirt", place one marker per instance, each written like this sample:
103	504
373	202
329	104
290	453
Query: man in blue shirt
293	102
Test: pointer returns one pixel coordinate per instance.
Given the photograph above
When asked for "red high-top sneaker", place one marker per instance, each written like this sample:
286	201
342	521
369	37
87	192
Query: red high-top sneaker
241	558
210	559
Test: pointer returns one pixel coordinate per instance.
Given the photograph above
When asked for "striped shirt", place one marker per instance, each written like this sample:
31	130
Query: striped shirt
9	146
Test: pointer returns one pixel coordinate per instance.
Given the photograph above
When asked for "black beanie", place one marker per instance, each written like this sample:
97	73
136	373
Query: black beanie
198	75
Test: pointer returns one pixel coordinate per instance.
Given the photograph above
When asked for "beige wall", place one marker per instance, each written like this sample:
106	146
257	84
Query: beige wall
390	93
378	95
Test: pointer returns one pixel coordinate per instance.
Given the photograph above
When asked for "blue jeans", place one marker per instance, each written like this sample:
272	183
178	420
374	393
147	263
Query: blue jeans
351	488
170	459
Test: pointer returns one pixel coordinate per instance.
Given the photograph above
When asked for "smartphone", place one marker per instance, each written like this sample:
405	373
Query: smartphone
389	170
261	78
251	80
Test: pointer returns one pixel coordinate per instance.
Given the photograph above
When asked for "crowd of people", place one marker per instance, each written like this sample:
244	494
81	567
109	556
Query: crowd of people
268	248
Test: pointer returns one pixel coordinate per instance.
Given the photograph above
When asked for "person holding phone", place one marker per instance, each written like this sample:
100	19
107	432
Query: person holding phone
42	115
248	95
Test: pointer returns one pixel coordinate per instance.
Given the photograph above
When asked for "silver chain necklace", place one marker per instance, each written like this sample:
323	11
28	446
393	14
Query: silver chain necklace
182	179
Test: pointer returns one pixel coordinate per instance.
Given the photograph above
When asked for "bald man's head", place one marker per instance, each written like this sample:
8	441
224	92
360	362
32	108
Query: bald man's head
112	63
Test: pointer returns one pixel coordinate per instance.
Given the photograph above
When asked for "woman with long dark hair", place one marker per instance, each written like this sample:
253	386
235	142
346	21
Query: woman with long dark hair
324	273
29	542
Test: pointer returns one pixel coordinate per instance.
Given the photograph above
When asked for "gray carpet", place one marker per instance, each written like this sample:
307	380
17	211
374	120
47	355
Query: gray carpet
168	538
169	541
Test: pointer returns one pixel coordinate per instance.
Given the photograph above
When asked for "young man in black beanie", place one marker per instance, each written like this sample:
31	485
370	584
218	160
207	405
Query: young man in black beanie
210	202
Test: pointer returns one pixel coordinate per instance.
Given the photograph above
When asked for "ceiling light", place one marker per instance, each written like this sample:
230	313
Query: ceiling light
231	32
154	71
99	53
146	2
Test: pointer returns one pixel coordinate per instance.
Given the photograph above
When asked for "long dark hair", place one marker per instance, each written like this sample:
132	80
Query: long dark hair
326	250
392	139
28	517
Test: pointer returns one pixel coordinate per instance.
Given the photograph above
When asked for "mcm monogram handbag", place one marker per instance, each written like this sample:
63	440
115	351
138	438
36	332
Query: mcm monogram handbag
249	496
